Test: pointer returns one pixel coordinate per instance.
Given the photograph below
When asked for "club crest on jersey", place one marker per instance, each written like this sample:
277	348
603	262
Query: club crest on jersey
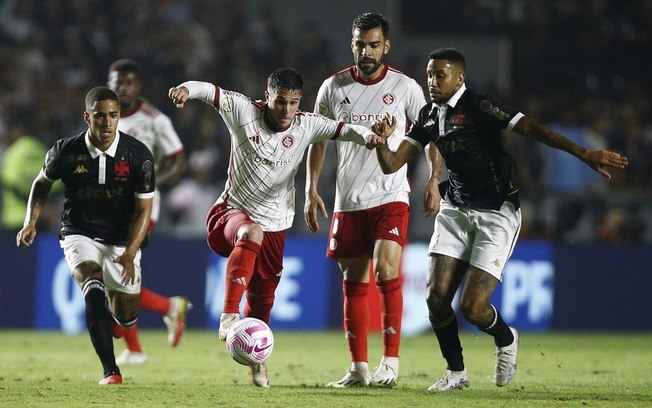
287	141
458	117
388	98
121	168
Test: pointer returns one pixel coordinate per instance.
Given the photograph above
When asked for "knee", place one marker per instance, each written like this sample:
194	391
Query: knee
436	301
473	311
251	232
385	271
87	270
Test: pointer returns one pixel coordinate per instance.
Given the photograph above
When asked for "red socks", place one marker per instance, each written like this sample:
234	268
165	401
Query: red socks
239	269
154	302
356	318
391	315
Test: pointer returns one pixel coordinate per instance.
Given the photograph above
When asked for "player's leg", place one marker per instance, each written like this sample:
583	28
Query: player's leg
123	299
445	276
450	249
496	237
231	233
387	260
352	246
261	289
390	234
84	260
266	277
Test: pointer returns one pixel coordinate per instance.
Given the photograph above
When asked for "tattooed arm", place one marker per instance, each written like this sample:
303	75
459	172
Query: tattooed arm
598	160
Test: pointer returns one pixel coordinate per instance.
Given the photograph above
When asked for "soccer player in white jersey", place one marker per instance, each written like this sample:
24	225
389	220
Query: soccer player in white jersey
370	218
248	221
153	128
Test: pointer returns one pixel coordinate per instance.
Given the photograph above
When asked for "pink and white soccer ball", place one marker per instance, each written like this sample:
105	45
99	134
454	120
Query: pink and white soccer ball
250	341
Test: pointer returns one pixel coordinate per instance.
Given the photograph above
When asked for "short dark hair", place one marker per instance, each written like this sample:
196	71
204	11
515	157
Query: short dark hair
367	21
450	54
101	93
125	65
285	78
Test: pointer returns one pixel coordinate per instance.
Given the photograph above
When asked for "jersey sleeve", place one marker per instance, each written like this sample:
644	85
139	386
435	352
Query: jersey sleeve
415	101
167	137
145	180
420	132
323	101
354	133
51	166
495	113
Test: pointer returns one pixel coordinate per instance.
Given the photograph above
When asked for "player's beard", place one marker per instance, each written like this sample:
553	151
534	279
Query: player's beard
369	70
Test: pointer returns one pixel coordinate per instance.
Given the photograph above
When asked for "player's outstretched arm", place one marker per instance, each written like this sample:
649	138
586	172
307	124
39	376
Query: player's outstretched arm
598	160
38	197
181	93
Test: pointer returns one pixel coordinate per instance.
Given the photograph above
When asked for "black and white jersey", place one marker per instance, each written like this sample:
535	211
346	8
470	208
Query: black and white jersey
100	187
480	170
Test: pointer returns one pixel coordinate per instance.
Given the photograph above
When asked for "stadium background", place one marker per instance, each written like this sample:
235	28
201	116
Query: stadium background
579	66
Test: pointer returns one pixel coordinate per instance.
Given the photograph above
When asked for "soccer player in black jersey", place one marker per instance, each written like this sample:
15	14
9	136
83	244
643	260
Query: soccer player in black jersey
108	179
478	218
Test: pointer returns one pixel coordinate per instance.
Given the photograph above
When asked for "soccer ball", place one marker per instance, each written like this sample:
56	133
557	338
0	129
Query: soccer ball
250	341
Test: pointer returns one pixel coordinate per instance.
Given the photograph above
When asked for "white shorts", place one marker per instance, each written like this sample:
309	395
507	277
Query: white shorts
483	238
79	248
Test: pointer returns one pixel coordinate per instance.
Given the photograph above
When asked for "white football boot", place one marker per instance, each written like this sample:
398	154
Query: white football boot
226	321
506	361
259	375
133	358
386	375
453	380
356	376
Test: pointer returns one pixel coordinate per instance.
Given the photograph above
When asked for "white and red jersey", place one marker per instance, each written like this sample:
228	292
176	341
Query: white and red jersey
263	162
361	183
153	128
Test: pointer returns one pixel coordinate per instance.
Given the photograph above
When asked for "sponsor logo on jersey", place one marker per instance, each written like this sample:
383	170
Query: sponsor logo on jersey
81	169
255	138
361	117
388	98
496	263
332	244
394	231
250	154
345	101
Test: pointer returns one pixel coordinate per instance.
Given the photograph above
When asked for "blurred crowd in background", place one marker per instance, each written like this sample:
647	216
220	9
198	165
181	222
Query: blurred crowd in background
578	66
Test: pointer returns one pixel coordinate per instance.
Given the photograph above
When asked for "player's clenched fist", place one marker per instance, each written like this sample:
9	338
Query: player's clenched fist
179	95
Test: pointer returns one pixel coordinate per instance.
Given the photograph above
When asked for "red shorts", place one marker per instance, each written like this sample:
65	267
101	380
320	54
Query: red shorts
222	224
355	233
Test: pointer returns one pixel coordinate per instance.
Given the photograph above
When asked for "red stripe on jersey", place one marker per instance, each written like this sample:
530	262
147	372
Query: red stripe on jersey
216	101
338	131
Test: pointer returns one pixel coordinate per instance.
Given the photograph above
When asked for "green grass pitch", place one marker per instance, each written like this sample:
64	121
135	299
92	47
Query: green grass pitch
555	370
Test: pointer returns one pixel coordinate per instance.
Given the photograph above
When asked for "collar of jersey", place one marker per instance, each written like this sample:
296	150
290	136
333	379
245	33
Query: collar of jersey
452	102
94	151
